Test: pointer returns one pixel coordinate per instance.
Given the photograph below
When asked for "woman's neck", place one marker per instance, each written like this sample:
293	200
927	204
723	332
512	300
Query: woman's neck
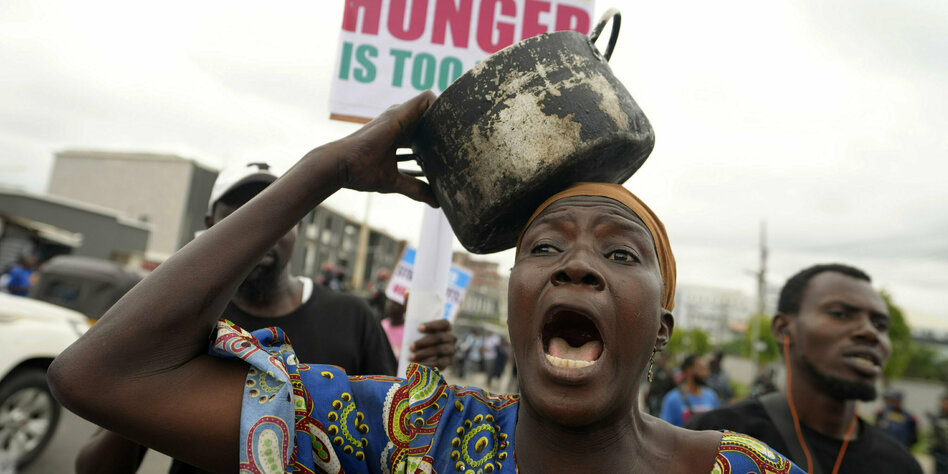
544	446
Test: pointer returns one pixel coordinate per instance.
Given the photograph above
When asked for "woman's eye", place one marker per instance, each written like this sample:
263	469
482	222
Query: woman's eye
621	256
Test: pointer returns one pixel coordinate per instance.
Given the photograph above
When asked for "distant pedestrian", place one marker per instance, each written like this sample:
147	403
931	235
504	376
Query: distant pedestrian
895	421
468	346
377	298
719	380
18	278
939	442
491	342
691	396
662	382
394	324
499	363
763	384
475	355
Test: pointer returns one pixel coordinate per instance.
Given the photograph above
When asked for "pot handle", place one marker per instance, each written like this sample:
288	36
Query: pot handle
613	14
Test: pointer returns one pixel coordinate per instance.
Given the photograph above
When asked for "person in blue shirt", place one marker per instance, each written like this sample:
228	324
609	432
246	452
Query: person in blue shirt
691	396
19	276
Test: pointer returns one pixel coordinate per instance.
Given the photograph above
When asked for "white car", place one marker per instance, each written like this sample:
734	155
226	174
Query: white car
32	333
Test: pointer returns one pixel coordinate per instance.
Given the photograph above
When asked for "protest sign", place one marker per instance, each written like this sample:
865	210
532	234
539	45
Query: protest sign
400	282
389	50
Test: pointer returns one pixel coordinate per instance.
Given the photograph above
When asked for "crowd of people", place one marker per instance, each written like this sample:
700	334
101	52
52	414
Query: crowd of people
300	377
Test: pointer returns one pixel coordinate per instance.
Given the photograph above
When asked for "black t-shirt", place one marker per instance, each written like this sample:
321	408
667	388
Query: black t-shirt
872	451
330	328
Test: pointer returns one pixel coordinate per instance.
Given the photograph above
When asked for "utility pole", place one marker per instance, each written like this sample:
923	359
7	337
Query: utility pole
761	293
362	251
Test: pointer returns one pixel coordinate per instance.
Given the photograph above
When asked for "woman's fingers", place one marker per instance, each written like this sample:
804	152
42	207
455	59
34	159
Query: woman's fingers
404	117
415	189
369	155
415	108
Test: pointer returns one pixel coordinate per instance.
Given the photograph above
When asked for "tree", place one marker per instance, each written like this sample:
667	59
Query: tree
925	363
768	351
689	341
901	337
909	358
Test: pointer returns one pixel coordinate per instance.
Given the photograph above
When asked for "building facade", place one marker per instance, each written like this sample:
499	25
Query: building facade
47	226
327	236
485	303
168	192
717	311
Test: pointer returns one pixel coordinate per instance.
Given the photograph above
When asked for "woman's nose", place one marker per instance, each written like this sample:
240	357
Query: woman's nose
578	270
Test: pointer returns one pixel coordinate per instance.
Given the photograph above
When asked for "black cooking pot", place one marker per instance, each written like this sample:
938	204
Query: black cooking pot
523	124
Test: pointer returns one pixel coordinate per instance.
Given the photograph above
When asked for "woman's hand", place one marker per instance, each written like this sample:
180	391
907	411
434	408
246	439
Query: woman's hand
366	158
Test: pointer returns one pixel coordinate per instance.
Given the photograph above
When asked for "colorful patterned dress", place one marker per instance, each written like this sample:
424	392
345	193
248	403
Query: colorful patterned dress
313	418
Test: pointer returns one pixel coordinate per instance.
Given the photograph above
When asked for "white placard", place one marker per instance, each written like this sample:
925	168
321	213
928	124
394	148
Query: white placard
458	280
389	50
430	278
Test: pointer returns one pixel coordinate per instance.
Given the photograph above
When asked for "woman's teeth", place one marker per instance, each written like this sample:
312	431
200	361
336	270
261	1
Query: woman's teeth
561	354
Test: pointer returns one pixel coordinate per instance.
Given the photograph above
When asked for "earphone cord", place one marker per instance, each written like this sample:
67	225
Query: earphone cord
796	419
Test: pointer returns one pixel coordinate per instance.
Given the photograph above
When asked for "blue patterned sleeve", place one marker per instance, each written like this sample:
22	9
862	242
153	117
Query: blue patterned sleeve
740	453
311	418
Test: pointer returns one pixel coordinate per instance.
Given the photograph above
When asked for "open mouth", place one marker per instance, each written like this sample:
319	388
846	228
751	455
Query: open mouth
571	340
865	359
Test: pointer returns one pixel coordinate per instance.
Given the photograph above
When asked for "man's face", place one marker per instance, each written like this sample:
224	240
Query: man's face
265	273
895	403
585	310
699	371
394	311
841	335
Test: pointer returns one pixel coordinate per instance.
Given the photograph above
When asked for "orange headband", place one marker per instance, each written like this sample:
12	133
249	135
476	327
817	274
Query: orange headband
666	261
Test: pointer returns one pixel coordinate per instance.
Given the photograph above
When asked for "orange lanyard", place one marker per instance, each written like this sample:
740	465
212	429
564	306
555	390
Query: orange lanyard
796	419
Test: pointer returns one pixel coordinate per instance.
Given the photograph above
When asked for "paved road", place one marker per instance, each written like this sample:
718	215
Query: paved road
69	438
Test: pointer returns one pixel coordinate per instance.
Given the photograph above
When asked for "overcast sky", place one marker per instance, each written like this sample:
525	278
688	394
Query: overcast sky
826	119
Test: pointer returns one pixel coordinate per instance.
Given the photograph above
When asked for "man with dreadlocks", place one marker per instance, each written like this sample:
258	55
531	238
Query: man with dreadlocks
834	330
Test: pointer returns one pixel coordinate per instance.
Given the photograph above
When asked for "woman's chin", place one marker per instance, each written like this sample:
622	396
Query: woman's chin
569	407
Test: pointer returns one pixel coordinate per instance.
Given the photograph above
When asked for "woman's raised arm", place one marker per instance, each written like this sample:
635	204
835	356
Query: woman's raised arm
142	372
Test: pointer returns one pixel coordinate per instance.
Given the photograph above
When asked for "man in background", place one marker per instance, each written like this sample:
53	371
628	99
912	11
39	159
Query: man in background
19	277
691	396
719	380
939	441
326	326
663	381
834	328
895	421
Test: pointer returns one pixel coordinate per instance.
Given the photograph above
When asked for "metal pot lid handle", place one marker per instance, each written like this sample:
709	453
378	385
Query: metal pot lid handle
409	156
616	18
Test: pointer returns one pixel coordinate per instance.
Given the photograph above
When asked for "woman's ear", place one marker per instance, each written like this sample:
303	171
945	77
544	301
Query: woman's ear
666	325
